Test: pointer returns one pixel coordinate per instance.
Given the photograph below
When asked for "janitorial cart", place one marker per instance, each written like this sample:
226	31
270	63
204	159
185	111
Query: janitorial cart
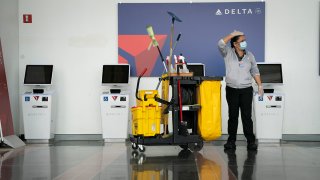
195	105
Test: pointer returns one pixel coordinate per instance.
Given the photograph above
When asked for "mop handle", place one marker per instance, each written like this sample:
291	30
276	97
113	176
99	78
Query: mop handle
171	50
175	43
138	82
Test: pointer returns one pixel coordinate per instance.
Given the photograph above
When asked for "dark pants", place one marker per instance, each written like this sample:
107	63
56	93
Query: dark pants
240	99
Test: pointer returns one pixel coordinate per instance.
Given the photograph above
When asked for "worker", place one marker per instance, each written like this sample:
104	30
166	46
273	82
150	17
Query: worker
240	66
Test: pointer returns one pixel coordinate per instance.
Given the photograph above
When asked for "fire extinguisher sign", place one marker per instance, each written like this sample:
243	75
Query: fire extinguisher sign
27	18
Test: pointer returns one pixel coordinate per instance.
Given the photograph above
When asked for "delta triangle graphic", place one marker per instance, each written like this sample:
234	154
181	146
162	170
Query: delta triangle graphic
133	50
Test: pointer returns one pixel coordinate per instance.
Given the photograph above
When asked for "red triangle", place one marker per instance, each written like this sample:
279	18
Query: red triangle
137	46
122	60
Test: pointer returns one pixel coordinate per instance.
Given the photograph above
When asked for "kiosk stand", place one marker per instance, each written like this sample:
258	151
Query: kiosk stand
37	117
114	114
269	110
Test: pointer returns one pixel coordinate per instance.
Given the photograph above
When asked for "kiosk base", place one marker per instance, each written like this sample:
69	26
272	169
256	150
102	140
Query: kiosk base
13	141
269	141
111	140
39	141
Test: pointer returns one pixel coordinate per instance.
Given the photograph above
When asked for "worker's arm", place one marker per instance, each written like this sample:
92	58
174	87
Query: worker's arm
231	35
258	81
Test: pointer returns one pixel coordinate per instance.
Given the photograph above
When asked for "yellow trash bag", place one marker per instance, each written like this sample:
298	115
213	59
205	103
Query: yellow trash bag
209	115
164	96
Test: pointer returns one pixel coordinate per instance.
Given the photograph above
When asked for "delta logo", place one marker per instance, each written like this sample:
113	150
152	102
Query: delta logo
238	11
114	98
36	97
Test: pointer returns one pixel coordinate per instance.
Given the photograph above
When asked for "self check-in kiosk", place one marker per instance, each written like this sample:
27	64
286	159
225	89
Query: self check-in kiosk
38	104
269	108
114	102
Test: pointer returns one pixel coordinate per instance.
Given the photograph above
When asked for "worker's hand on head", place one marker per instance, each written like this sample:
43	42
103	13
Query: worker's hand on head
236	33
260	90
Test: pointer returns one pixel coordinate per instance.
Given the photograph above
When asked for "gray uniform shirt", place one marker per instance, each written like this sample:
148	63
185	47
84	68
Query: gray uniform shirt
238	73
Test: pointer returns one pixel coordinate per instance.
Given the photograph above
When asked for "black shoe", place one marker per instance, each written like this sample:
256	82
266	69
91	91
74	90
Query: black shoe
230	145
252	146
230	151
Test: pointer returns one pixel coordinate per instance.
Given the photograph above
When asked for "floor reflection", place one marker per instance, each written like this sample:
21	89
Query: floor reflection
208	169
248	165
185	165
5	158
118	161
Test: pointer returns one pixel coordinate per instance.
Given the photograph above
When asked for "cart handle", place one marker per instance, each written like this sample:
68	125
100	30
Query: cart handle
137	88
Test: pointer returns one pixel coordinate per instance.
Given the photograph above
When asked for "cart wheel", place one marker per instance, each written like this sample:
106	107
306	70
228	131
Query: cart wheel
196	146
142	158
184	146
134	146
184	154
158	136
141	148
134	154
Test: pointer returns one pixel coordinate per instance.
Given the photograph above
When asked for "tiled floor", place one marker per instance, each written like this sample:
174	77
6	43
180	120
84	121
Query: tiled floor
96	160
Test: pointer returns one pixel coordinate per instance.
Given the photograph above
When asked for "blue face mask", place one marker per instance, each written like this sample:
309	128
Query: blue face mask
243	45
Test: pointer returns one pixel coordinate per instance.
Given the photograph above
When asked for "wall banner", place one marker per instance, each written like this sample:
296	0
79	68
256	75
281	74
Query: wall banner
203	24
5	109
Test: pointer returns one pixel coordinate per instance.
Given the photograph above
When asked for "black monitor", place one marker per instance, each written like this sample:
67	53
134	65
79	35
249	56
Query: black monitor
270	73
38	75
115	74
198	69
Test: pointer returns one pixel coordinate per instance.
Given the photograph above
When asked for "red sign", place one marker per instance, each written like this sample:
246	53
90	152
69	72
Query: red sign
27	18
36	97
270	98
114	97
